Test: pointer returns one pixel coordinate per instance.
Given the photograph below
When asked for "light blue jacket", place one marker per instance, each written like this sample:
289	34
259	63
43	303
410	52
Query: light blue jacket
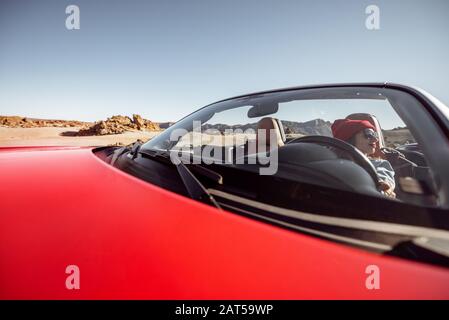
384	170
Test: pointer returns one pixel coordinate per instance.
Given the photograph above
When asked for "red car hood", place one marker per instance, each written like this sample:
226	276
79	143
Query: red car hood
134	240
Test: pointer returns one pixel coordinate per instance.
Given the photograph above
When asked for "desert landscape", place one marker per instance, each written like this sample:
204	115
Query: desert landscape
117	130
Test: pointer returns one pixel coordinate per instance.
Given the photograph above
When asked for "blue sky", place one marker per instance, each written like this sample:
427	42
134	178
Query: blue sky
164	59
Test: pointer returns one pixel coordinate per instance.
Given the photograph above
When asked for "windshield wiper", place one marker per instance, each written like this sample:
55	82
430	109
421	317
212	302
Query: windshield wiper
132	148
153	154
194	187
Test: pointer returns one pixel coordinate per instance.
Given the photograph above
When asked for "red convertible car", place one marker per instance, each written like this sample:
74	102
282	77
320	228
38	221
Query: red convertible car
251	197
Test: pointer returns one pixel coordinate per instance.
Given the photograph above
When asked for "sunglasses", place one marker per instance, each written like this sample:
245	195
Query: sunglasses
371	134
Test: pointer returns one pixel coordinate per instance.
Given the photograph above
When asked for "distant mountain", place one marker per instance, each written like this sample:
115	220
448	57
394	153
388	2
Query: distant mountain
313	127
222	127
25	122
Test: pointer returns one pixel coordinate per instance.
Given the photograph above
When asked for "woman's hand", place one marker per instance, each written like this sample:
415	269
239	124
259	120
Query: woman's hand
387	189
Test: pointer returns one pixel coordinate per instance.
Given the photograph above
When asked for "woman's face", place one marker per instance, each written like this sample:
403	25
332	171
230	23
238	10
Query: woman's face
366	141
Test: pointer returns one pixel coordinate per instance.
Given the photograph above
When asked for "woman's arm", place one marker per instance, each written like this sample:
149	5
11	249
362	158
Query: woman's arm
386	174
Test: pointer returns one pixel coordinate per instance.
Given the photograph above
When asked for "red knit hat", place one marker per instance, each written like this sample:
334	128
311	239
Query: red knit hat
344	129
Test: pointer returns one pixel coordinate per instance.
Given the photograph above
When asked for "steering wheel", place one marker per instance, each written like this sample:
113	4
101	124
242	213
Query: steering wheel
355	153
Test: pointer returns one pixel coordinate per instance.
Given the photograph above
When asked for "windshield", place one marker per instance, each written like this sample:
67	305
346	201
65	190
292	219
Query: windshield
265	126
301	113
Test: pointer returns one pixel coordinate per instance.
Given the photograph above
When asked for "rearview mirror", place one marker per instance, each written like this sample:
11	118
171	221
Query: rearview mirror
264	109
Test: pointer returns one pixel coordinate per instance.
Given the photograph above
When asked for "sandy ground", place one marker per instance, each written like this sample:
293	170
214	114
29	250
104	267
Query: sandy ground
50	136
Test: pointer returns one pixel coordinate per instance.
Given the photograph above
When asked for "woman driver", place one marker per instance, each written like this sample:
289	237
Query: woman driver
362	135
